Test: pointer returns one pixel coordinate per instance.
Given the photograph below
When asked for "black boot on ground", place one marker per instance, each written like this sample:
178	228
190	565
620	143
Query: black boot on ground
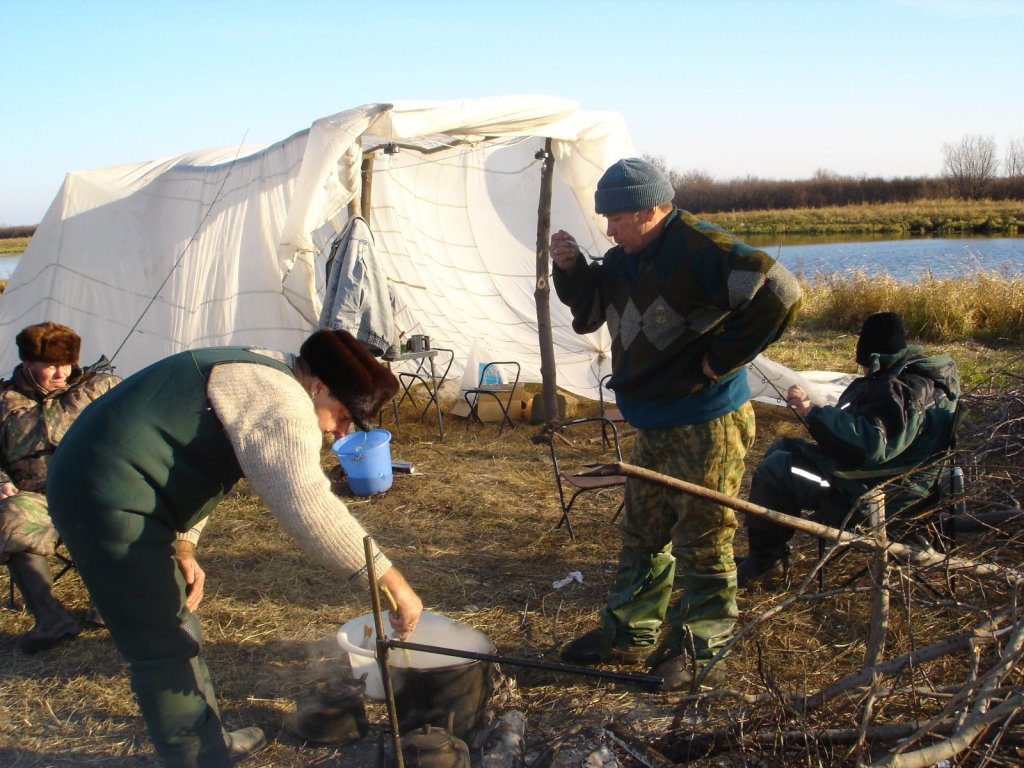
586	650
757	564
53	623
680	672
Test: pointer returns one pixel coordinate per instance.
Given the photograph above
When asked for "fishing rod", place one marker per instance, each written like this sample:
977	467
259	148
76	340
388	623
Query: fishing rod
181	256
767	380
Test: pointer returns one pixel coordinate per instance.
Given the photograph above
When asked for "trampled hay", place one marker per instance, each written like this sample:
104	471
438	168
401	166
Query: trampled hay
474	530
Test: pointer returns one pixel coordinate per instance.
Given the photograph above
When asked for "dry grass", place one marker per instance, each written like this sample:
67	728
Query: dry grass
13	245
474	532
983	305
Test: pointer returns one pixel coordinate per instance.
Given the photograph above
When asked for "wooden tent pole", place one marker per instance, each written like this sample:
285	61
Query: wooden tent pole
360	206
542	286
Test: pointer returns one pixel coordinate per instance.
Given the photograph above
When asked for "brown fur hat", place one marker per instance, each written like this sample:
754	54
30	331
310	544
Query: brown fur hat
351	372
49	343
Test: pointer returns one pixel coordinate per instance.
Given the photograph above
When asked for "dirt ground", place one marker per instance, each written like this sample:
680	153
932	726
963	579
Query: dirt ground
474	530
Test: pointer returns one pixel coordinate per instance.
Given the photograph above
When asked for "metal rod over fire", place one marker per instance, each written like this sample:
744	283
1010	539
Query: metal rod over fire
632	677
382	650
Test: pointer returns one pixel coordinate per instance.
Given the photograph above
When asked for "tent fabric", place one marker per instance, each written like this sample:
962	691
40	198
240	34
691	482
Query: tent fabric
229	245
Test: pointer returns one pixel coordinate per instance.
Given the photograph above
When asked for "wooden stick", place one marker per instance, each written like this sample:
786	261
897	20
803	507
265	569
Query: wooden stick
902	552
879	581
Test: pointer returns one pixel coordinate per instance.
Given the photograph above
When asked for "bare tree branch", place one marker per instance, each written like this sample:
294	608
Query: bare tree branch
958	742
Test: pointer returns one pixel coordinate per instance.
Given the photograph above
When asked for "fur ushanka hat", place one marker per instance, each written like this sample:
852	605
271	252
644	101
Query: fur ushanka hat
49	343
351	372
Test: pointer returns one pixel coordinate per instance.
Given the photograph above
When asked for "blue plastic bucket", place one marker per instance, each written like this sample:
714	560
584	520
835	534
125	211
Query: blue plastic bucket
366	459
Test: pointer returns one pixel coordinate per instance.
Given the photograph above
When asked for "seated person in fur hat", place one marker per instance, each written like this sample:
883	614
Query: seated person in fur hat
46	393
145	466
896	416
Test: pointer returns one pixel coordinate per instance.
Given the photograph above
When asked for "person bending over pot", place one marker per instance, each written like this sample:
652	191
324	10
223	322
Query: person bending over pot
144	467
45	394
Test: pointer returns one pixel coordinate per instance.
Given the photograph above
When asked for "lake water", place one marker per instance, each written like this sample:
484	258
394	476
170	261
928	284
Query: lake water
7	265
906	259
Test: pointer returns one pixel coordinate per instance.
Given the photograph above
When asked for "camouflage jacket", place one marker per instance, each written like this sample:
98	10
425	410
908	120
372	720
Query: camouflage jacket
33	422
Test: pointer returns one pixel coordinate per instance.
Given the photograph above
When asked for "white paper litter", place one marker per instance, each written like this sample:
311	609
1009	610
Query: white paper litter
573	576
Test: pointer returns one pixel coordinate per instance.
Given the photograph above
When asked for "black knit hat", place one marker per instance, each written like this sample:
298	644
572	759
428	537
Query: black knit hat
632	184
351	372
49	343
882	333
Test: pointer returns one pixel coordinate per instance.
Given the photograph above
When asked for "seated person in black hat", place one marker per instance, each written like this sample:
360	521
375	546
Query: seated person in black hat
896	415
144	466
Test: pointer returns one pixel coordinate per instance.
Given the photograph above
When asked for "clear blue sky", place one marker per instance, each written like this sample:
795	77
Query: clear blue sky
767	88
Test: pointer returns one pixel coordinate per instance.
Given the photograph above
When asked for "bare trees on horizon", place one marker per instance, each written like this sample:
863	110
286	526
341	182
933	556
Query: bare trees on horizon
970	171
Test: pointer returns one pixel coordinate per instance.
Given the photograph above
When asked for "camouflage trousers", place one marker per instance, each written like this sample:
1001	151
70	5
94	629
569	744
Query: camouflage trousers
664	530
25	526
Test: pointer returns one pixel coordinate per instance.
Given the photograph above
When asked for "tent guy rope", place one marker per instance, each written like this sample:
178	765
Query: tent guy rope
188	245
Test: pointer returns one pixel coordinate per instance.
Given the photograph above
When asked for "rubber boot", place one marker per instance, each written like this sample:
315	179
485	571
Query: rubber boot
93	616
631	619
638	599
768	545
704	616
53	623
759	562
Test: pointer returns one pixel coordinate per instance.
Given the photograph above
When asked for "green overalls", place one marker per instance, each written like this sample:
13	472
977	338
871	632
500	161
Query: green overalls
147	460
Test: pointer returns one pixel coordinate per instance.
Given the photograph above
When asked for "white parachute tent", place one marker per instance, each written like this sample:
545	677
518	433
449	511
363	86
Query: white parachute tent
228	246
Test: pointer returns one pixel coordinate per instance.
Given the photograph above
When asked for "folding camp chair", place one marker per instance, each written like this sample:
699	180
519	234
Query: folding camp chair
494	384
577	448
604	409
932	517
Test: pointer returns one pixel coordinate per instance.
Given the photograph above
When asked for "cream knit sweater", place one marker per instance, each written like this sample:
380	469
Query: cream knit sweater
270	421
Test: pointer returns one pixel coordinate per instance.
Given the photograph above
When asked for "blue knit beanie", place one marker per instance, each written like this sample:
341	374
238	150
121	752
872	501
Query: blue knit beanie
632	184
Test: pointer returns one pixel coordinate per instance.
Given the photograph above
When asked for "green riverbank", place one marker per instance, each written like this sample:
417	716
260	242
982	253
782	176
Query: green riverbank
922	217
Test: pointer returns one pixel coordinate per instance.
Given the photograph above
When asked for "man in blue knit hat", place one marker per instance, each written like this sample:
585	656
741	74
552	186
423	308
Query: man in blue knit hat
688	306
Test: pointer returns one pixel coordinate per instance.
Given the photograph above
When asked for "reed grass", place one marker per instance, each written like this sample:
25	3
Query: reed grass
11	246
981	305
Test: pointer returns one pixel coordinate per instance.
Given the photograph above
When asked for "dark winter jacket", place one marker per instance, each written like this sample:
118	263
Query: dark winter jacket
697	290
889	423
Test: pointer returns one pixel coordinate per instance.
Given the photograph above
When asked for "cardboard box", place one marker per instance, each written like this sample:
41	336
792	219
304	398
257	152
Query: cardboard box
488	409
